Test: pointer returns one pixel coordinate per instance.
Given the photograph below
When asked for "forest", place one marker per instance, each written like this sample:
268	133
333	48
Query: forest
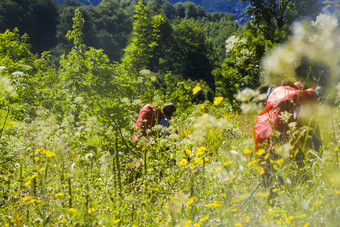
73	78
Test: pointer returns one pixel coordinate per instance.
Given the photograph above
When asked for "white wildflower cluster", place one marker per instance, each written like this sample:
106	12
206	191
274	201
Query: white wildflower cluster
105	161
79	100
137	102
5	88
157	99
245	55
317	42
250	100
285	116
284	150
233	41
203	125
145	72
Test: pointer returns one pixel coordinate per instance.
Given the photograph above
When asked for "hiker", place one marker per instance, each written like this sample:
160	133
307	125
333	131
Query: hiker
151	115
287	101
287	107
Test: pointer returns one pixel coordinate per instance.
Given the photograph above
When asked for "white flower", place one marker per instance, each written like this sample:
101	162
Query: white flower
246	95
88	156
78	100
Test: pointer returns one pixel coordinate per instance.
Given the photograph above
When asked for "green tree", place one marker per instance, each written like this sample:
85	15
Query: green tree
219	27
144	40
274	17
107	26
192	54
241	68
37	18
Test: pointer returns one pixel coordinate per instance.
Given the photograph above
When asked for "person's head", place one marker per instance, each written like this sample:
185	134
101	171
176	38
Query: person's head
169	109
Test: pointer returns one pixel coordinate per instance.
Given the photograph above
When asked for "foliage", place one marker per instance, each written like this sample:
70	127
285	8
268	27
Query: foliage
37	18
241	68
192	55
66	151
145	36
106	27
273	16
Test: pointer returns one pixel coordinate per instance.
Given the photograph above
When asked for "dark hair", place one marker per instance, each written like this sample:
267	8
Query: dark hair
169	109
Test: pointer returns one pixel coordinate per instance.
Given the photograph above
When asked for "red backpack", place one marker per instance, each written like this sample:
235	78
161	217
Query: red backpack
148	117
283	98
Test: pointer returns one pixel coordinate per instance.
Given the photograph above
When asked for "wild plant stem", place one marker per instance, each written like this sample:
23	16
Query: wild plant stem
3	126
118	166
69	193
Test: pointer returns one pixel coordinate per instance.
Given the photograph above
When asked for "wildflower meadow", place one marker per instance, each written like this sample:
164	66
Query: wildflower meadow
68	159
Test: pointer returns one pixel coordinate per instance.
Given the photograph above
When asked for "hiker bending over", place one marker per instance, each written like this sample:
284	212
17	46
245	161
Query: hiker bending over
287	122
288	106
151	115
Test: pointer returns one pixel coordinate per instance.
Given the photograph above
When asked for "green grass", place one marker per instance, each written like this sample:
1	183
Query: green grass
65	175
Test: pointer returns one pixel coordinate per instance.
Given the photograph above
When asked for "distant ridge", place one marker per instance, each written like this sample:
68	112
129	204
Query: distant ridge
238	8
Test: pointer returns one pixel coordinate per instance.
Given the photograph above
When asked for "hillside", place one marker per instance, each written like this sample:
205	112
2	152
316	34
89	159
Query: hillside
237	7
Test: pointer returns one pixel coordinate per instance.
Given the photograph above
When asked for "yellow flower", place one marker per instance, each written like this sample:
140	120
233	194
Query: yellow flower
279	222
260	152
252	162
188	152
38	150
26	198
228	163
116	221
196	89
37	159
239	225
215	204
28	182
317	203
150	169
260	170
191	165
11	123
201	149
197	225
72	210
190	201
59	195
274	189
233	210
289	219
218	100
50	154
202	107
183	162
306	225
218	168
198	161
223	195
42	169
247	151
204	218
337	192
206	159
279	161
90	210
